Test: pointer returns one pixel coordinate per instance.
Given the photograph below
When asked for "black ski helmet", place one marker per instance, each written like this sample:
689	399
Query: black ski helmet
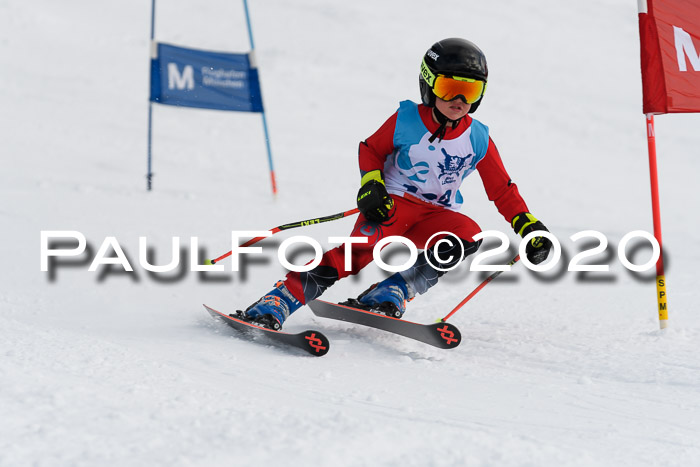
454	57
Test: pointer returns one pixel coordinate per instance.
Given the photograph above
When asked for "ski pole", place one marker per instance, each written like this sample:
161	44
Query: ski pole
474	292
317	220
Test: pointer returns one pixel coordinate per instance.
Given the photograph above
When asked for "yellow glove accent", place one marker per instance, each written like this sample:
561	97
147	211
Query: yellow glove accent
373	175
529	220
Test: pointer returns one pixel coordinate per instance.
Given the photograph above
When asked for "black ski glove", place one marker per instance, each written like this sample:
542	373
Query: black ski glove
537	248
373	201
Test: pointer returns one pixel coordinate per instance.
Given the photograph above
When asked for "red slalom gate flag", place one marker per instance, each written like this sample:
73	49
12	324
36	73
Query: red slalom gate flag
669	31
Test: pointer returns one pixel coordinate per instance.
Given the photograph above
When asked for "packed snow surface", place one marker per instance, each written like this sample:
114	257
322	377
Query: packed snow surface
126	368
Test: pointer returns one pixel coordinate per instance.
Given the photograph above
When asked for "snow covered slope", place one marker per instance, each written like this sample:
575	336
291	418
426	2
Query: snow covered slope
114	368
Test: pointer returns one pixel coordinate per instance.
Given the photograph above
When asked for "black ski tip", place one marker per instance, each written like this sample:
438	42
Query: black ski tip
316	343
449	334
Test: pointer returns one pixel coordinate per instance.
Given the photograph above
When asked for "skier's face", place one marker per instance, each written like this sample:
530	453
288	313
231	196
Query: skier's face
454	109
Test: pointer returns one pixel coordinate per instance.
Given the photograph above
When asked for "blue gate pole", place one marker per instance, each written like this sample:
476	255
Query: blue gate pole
149	175
264	120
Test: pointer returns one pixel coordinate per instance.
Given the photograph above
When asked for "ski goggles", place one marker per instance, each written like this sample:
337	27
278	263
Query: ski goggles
448	88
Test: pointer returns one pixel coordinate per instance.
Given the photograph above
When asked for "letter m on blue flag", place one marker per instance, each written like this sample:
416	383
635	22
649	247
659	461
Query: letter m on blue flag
204	79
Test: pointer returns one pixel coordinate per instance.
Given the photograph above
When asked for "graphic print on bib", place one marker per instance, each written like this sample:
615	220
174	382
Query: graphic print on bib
453	166
433	171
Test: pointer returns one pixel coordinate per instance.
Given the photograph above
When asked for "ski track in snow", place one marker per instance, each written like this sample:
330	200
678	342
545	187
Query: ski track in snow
113	368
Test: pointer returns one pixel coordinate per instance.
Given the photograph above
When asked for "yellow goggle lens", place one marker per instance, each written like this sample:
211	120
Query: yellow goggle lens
448	88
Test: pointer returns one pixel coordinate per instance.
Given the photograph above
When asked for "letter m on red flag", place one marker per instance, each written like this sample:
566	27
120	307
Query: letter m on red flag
669	31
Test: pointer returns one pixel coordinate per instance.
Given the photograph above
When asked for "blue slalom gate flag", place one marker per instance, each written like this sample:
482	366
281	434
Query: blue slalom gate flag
204	79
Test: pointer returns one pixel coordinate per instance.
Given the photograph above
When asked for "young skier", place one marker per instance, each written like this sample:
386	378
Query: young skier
411	170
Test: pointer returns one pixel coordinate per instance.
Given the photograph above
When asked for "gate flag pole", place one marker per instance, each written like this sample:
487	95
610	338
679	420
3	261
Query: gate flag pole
656	211
264	120
149	175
